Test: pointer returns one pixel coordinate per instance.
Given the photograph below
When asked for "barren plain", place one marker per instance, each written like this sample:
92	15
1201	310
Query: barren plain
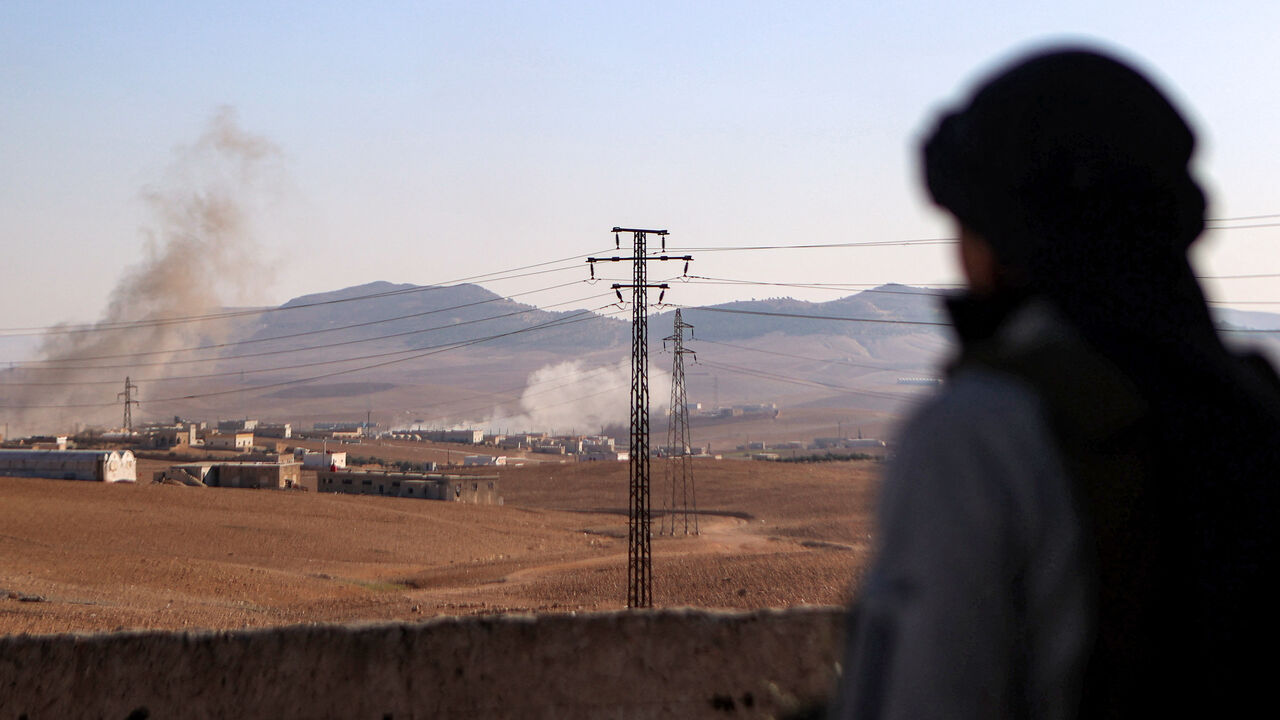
77	556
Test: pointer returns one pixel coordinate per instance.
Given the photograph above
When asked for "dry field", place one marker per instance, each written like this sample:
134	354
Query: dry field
85	556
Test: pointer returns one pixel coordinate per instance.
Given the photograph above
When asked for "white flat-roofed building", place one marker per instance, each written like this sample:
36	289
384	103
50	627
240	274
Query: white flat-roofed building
324	460
92	465
230	441
485	460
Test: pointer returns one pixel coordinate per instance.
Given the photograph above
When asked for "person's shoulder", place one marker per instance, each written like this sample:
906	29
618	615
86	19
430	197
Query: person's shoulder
981	452
974	401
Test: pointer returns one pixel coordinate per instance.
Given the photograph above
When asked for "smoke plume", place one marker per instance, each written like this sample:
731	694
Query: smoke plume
567	397
198	256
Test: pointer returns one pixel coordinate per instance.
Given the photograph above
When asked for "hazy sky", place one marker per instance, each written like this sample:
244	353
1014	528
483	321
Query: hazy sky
424	142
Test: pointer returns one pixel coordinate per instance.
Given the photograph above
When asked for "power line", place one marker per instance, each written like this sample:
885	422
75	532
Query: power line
1243	217
154	322
1242	227
1248	276
578	317
803	316
799	357
419	331
877	289
321	331
873	288
816	246
801	381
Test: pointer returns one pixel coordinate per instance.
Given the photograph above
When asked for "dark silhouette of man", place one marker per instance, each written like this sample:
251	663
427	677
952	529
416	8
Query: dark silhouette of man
1080	523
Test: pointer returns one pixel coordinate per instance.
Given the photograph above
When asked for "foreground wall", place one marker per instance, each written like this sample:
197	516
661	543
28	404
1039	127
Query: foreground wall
643	664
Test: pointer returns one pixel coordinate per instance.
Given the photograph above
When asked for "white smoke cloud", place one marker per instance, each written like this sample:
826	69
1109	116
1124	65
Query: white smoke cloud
569	396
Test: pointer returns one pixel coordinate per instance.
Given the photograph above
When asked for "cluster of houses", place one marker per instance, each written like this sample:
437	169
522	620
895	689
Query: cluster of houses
473	489
728	411
577	447
240	434
761	450
261	461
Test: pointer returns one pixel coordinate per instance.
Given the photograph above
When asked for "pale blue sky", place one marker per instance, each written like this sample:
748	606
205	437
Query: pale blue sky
431	141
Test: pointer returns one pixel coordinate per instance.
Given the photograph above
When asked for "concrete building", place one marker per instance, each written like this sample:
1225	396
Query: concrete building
230	441
473	489
171	437
484	460
284	431
93	465
469	437
323	460
256	475
235	426
342	430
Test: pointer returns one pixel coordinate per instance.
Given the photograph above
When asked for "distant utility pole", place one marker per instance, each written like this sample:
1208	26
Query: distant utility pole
639	514
129	402
680	465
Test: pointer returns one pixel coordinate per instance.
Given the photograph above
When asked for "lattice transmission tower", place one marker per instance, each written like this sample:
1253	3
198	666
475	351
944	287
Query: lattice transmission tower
639	510
682	505
129	402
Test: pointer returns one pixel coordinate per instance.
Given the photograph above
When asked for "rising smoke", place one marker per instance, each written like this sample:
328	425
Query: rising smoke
567	397
198	255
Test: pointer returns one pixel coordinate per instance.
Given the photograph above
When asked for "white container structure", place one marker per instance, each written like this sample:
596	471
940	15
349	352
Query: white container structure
94	465
323	460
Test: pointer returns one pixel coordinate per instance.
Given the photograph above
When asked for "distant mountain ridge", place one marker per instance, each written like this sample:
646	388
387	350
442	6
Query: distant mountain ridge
384	314
395	316
889	311
406	315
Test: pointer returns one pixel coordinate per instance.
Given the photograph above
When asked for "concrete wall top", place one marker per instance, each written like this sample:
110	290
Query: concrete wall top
628	664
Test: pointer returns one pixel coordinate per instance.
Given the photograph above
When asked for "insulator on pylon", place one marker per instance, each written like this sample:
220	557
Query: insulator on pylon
593	271
619	293
686	267
661	295
616	242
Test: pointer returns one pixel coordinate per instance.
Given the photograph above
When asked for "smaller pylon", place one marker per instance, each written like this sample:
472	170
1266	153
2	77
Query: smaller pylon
681	505
129	402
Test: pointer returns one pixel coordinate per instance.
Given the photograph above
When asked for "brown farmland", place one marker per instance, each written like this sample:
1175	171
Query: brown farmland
80	556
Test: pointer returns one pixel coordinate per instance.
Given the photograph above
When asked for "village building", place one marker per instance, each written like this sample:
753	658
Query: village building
472	489
484	460
92	465
171	437
255	475
283	431
230	441
469	437
323	460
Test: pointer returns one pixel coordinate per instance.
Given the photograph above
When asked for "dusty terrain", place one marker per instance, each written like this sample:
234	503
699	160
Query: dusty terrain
86	556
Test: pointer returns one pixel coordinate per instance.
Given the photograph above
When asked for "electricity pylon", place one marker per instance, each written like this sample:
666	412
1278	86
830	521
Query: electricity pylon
129	402
639	511
683	502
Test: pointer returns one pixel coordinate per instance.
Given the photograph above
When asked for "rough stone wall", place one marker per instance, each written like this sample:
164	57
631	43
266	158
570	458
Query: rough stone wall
637	664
